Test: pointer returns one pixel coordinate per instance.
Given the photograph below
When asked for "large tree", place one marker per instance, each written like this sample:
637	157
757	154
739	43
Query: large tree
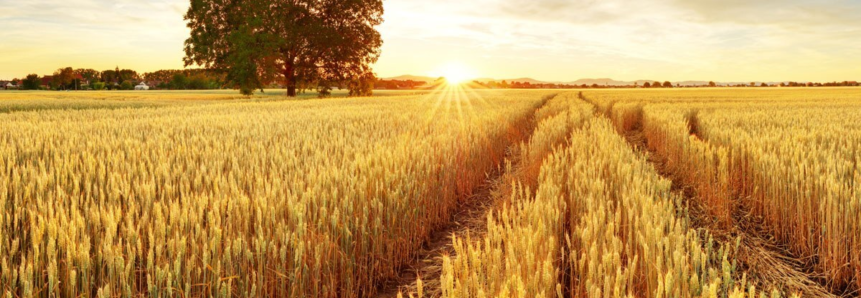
110	76
89	74
64	77
303	43
31	82
128	75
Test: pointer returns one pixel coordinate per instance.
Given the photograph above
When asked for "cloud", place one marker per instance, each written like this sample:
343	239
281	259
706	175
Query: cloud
561	39
660	38
42	35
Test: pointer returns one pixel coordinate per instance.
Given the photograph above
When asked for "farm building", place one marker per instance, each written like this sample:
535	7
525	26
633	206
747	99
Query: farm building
46	82
142	86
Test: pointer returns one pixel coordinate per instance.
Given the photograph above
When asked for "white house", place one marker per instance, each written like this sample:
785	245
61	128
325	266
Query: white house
10	86
142	86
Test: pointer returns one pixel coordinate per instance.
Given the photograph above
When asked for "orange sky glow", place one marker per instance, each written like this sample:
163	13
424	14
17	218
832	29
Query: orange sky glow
552	40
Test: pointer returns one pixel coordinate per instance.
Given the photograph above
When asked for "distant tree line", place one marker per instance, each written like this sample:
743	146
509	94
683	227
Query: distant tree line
187	79
655	84
398	84
68	78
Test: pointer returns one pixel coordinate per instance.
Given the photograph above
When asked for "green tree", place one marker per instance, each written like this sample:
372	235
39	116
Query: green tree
363	85
301	42
99	86
197	82
31	82
647	85
89	74
667	84
110	76
128	75
656	85
179	82
712	84
63	78
127	85
324	90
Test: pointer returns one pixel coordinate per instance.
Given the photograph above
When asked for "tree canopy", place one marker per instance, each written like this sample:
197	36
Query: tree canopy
31	82
64	77
88	74
302	43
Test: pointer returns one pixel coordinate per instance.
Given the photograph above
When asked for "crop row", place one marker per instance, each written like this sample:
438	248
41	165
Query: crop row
255	199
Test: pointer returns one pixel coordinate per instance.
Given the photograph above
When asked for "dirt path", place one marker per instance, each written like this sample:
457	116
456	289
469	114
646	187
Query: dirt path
470	219
767	264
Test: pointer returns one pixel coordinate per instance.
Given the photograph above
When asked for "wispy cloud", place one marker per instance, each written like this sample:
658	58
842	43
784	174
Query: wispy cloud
40	36
546	39
672	39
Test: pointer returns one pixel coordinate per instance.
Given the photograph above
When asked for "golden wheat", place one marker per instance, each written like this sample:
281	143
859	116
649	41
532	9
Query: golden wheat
250	198
786	157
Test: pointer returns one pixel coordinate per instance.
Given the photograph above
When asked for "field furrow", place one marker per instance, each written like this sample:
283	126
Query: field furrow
776	174
763	261
285	199
469	220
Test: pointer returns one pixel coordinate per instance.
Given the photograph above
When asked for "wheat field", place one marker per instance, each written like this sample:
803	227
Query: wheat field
594	193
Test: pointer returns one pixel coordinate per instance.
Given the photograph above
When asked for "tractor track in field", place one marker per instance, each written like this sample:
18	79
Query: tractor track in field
469	221
769	265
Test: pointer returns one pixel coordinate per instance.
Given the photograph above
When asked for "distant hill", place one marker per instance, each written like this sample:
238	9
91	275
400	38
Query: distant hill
600	82
520	80
413	78
588	82
692	83
527	80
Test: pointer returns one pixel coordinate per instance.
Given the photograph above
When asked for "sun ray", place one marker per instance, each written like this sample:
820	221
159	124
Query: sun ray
448	104
466	100
457	101
478	96
437	94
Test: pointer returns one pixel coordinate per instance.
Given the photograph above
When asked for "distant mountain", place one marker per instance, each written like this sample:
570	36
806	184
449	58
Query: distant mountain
692	83
519	80
527	80
600	82
413	78
588	82
643	82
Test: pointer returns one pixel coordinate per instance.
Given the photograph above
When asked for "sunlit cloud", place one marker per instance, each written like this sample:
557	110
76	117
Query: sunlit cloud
39	36
554	40
667	40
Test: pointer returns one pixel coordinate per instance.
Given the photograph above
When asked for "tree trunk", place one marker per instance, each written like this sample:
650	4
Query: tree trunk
290	78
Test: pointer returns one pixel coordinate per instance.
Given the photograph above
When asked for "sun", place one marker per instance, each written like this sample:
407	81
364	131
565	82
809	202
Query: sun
455	73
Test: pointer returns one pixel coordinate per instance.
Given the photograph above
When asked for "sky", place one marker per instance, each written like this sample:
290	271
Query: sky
551	40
